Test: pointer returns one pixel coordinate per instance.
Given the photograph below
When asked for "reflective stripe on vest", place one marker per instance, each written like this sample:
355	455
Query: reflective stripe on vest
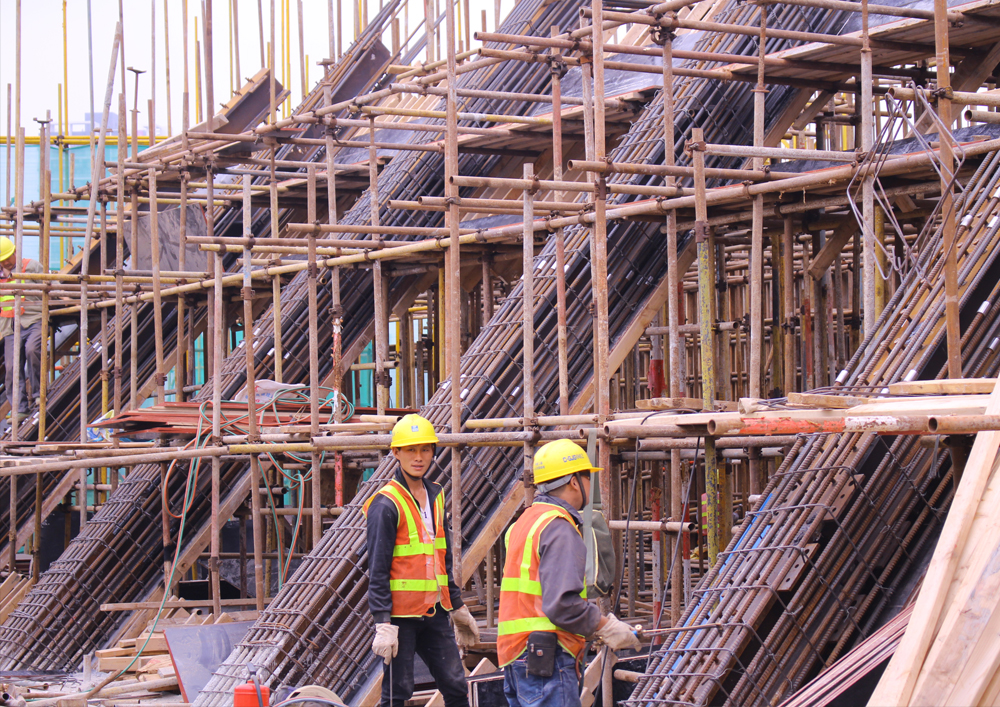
418	578
521	591
7	301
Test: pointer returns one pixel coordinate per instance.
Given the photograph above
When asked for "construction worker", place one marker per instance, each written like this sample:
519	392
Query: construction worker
411	585
544	613
31	328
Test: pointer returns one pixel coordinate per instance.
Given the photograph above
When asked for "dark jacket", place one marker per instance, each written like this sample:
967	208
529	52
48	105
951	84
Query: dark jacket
383	522
562	563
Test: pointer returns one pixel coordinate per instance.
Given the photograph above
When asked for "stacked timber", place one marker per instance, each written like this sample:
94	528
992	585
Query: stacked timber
952	655
144	661
857	665
12	590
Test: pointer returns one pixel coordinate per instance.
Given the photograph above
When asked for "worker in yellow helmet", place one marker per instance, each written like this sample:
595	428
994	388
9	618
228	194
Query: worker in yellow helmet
411	584
545	617
30	315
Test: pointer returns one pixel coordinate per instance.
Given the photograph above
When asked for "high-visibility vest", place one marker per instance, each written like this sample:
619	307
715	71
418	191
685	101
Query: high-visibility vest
521	591
7	300
418	576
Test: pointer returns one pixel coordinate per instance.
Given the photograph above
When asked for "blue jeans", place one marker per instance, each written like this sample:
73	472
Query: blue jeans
433	639
560	690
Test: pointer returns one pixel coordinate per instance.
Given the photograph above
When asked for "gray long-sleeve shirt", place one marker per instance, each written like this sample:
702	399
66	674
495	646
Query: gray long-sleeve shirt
562	563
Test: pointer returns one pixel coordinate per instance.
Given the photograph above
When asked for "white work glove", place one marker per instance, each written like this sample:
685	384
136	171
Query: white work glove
466	628
386	643
617	634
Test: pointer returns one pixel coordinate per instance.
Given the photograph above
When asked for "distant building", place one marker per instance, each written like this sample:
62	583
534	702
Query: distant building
92	122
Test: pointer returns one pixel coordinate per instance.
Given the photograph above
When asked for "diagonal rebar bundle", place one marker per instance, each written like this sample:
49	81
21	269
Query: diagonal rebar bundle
829	550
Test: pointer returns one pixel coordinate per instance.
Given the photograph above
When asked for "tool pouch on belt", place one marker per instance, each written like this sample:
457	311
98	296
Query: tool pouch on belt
542	647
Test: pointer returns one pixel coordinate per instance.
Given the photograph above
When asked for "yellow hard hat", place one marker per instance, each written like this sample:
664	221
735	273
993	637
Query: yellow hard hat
560	458
6	247
413	429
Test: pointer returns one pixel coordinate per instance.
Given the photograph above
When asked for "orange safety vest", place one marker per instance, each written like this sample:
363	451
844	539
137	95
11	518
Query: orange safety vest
521	591
418	576
7	301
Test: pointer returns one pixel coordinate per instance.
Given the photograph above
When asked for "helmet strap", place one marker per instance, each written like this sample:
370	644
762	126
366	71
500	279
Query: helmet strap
579	481
409	475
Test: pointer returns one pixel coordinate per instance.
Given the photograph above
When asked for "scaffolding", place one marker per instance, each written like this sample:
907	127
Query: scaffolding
691	233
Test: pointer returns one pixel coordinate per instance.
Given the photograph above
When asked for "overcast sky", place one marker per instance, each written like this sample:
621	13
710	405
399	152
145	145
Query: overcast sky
42	52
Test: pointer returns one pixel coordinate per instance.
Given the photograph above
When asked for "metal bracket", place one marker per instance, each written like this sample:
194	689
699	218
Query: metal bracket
660	35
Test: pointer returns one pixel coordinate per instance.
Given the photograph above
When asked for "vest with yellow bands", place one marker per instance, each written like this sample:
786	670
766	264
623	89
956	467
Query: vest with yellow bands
418	578
7	301
521	591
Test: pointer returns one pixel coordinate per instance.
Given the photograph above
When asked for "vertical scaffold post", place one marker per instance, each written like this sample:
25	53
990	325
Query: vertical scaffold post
528	326
453	289
313	296
714	481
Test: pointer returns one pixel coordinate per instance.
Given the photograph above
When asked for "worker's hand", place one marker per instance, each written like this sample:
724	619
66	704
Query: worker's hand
617	634
386	643
466	628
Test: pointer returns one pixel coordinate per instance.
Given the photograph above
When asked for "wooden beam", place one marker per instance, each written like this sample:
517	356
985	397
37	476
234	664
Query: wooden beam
807	115
900	677
840	402
964	386
831	249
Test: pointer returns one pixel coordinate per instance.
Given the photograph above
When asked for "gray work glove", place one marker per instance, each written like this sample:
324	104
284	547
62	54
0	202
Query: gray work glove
616	634
386	643
466	628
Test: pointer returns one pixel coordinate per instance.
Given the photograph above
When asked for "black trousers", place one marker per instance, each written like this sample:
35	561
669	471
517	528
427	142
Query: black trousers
432	638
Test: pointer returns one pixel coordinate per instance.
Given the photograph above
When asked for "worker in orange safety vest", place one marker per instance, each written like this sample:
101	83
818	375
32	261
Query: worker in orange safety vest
411	585
30	316
545	617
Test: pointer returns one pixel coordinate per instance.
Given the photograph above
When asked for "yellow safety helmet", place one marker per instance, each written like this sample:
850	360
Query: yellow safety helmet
413	429
6	248
559	459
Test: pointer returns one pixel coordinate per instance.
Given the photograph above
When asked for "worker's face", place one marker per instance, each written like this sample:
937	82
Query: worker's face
415	459
577	495
9	263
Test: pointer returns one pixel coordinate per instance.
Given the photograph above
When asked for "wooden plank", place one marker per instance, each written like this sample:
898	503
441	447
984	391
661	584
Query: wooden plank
962	659
155	683
826	401
185	603
683	404
114	652
900	677
964	386
484	667
150	664
8	585
15	599
477	549
49	504
107	665
592	675
973	677
927	405
157	644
